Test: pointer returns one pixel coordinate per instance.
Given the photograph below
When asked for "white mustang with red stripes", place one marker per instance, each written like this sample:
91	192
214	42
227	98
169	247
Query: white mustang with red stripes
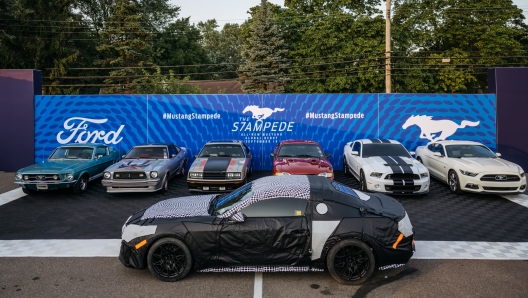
385	166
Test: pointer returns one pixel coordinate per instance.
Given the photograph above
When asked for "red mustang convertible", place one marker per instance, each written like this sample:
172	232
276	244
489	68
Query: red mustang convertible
301	157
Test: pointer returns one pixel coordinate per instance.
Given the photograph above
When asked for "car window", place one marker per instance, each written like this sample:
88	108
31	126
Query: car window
246	148
232	199
100	151
178	149
222	150
344	189
440	149
357	147
147	153
469	151
431	147
72	153
384	150
111	149
172	151
301	150
277	207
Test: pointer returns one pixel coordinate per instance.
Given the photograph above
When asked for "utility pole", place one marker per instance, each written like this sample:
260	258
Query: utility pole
388	85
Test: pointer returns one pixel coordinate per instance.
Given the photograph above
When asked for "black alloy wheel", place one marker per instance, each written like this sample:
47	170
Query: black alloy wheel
351	262
362	182
169	259
81	185
454	183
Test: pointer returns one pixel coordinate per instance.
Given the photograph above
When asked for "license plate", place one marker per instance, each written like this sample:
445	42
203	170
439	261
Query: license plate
42	186
222	187
206	188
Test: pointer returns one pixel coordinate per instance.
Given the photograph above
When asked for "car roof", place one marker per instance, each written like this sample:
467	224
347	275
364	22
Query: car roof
83	145
457	142
298	142
378	141
225	142
153	144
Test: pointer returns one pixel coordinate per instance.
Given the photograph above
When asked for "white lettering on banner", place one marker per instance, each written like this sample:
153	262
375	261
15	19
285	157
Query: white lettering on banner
192	116
84	136
262	126
336	115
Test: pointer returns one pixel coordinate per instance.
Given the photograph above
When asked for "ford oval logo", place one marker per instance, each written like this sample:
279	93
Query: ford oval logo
501	178
41	177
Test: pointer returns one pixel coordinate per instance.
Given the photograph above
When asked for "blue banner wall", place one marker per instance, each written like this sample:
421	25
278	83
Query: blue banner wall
262	120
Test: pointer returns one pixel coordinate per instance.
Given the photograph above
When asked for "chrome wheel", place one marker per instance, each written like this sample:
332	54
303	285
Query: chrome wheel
83	184
362	182
454	183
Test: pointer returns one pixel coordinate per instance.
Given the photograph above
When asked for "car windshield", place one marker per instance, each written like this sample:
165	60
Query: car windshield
344	189
384	150
221	204
72	153
300	150
221	150
459	151
147	153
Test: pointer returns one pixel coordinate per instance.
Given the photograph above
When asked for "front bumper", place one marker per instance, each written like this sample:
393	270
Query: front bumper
474	184
129	185
390	257
419	186
45	185
132	257
214	185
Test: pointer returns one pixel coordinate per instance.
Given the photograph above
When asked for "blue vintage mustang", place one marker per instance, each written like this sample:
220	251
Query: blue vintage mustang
69	166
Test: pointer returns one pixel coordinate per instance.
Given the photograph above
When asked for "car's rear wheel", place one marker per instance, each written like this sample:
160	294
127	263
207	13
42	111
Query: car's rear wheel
81	185
351	262
362	181
169	259
345	167
454	183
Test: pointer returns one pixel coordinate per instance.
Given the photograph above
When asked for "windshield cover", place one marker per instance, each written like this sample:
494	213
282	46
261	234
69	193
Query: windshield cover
232	199
459	151
222	150
384	150
344	189
147	153
300	150
72	153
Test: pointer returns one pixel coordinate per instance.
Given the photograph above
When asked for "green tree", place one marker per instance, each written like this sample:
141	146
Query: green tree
265	68
126	45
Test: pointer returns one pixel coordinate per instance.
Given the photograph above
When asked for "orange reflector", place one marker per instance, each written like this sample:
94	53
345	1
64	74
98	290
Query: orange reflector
397	241
140	244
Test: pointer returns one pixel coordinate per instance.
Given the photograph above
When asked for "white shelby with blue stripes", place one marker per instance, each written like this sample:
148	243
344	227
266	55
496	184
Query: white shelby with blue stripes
385	166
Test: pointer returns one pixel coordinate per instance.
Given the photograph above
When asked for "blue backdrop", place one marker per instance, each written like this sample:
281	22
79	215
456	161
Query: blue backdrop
261	120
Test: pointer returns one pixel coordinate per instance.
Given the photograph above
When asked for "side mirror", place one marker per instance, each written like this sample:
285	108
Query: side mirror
99	156
272	154
248	156
437	154
173	155
355	153
123	156
412	153
237	217
498	154
327	155
196	156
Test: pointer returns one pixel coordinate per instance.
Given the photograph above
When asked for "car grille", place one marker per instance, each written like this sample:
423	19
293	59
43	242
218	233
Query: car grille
403	176
499	188
214	175
399	188
42	177
130	175
493	178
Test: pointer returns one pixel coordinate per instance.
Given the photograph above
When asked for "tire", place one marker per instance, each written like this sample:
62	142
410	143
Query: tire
28	191
345	168
250	170
169	259
362	181
454	182
165	184
419	159
81	186
351	262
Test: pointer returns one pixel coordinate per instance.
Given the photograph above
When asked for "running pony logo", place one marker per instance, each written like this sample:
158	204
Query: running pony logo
261	113
429	127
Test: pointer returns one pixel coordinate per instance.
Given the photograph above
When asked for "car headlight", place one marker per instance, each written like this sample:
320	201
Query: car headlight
107	175
471	174
153	174
376	174
327	175
18	176
195	175
69	176
237	175
424	175
282	174
522	174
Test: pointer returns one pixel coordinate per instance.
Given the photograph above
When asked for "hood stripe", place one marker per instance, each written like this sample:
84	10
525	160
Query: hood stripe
217	164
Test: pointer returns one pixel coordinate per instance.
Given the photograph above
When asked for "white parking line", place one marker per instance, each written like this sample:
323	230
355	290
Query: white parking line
257	288
12	195
520	199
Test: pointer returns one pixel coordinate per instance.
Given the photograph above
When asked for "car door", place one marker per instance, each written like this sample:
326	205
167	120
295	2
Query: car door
174	160
437	164
274	232
427	154
355	160
103	160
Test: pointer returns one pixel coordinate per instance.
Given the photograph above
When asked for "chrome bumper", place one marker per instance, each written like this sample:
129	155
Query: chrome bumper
121	186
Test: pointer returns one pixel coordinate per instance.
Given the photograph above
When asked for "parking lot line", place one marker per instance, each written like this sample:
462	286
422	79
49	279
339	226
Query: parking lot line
520	199
110	248
257	288
12	195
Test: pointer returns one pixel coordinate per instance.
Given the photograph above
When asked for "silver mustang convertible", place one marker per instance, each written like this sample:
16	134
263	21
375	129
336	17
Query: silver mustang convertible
146	168
220	166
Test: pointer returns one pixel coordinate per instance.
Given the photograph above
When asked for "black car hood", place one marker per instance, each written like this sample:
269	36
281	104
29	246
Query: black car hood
384	205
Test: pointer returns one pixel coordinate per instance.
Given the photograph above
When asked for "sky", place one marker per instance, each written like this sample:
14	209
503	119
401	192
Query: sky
235	11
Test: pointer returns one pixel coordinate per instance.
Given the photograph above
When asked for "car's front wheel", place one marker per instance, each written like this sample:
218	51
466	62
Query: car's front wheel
28	191
345	167
165	185
169	259
362	181
419	159
454	183
351	262
81	185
